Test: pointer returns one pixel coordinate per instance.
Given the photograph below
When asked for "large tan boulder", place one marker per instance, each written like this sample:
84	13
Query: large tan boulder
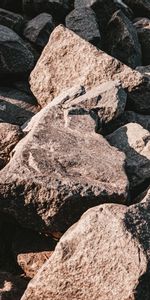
62	167
68	60
98	258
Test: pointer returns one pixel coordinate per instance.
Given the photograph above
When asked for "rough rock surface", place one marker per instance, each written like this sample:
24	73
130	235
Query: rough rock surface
16	107
97	258
9	137
15	57
83	22
11	20
143	29
134	141
60	169
38	30
122	40
68	60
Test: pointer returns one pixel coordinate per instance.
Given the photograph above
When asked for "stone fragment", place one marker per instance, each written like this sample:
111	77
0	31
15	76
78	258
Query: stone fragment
97	258
122	40
16	107
11	20
9	137
143	29
68	60
134	141
15	58
58	171
83	22
39	29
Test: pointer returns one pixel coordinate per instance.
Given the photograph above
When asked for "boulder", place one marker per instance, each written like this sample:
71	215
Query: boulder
16	107
143	29
15	57
60	169
134	141
11	20
39	29
9	137
97	258
122	40
68	60
83	22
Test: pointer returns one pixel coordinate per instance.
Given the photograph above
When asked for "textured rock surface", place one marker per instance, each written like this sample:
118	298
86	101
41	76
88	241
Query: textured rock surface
15	57
122	40
39	29
143	30
83	22
11	20
134	141
97	258
68	60
9	137
16	107
63	168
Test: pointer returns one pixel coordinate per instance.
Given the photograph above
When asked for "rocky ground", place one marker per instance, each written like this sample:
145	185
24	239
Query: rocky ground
75	150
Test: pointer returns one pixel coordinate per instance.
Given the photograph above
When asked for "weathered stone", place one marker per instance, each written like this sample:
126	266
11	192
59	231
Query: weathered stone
9	137
31	250
15	57
68	60
11	20
97	258
16	107
83	22
60	169
125	118
11	287
143	29
141	8
39	29
134	141
122	40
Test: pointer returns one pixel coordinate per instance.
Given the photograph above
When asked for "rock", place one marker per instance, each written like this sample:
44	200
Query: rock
125	118
134	141
143	30
9	137
141	8
97	258
58	8
39	29
122	40
60	169
108	100
103	10
12	287
83	22
68	60
124	8
11	20
31	250
16	107
15	57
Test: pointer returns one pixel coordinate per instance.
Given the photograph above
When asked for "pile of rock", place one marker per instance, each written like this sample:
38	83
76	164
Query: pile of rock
75	150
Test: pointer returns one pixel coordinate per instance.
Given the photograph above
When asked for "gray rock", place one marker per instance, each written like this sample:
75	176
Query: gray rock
83	22
97	258
60	169
134	141
15	57
143	29
11	20
9	137
68	60
16	107
38	30
122	40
